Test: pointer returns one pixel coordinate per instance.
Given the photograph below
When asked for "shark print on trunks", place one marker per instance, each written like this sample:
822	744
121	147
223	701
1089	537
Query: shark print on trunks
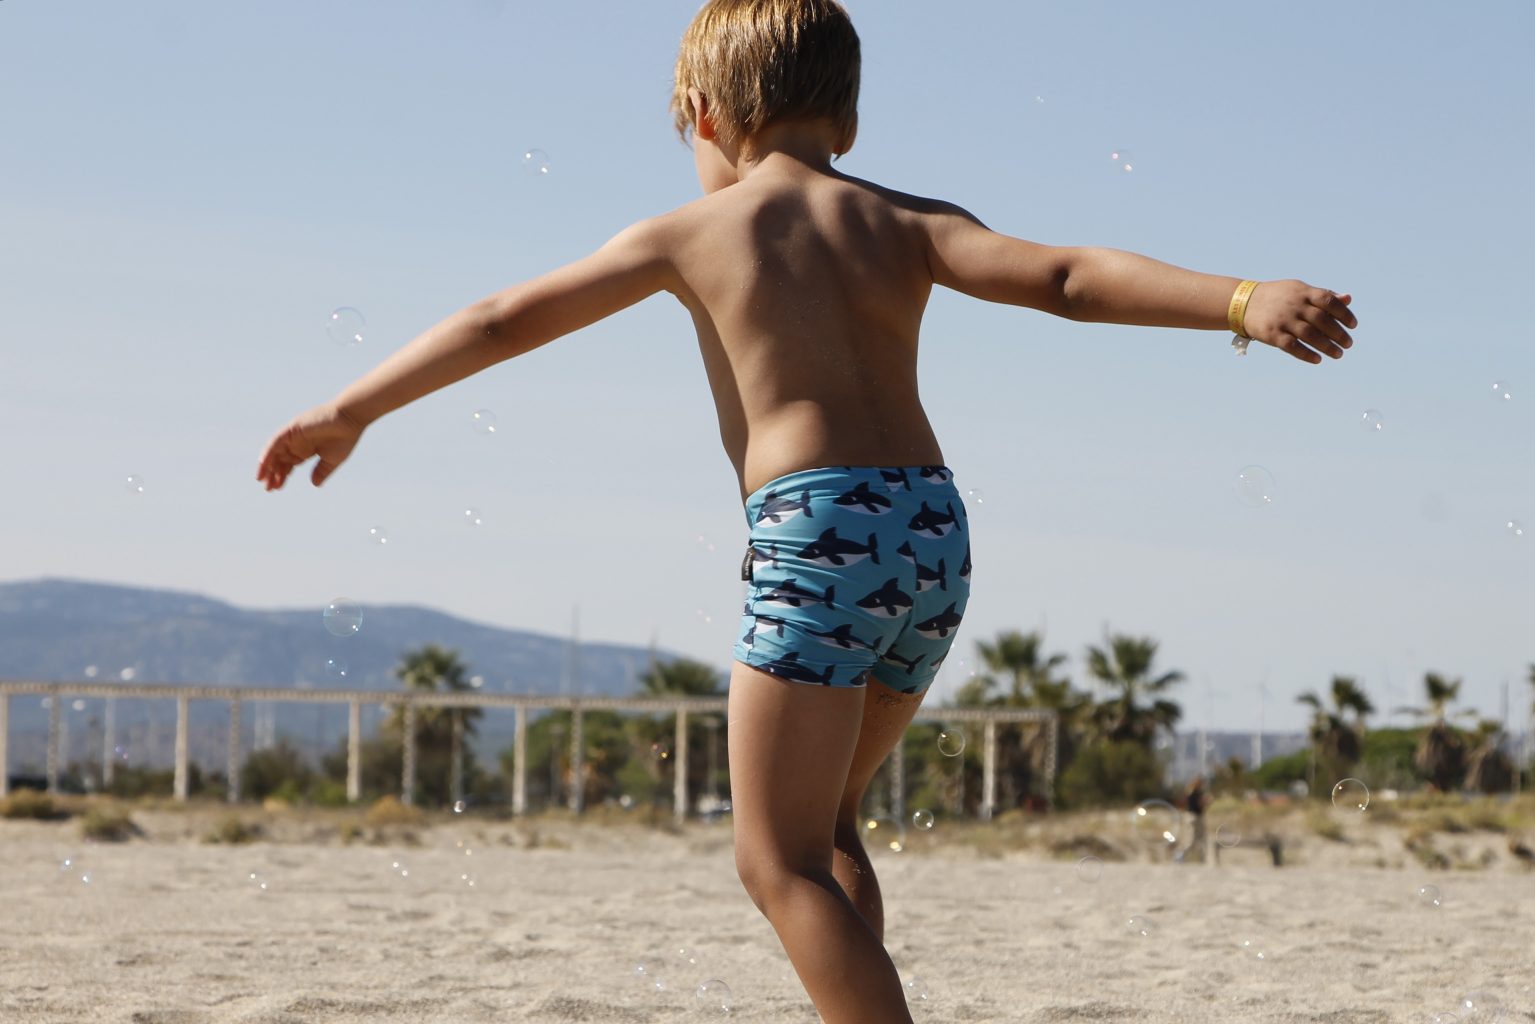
851	574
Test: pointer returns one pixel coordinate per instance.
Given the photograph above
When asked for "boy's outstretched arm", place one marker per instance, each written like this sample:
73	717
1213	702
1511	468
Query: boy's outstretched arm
1110	286
629	268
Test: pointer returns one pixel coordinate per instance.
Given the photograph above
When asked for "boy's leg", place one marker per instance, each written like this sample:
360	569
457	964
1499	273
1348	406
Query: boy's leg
791	747
886	714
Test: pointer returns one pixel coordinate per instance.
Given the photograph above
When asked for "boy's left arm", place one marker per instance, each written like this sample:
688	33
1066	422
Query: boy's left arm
632	266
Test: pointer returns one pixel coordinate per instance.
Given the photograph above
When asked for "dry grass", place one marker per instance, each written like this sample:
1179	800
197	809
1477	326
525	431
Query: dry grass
233	830
29	803
388	810
107	823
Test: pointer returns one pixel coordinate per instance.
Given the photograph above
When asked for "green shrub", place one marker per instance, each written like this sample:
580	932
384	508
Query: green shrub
108	825
29	803
1277	773
1111	773
328	793
278	771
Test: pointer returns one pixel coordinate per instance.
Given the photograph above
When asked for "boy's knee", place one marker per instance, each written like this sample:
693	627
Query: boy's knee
767	878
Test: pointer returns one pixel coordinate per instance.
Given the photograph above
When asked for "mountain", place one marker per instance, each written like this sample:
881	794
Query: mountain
68	630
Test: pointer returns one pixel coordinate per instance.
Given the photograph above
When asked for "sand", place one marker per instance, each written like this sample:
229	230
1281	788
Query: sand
172	930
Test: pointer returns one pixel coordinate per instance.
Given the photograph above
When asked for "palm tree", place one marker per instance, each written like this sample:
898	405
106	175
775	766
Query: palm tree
1338	742
1489	769
1028	680
1441	754
1123	664
652	738
440	732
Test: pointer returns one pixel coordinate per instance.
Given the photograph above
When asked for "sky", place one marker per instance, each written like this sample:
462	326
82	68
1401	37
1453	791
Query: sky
188	190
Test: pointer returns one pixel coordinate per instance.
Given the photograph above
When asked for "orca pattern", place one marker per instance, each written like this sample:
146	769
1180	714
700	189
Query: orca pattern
827	604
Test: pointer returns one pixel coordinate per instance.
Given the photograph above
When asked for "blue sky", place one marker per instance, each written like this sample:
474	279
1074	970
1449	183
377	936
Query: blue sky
190	189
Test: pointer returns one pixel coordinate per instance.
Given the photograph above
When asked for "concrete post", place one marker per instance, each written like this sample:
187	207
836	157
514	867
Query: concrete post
109	745
234	752
55	703
1051	752
180	783
577	798
520	761
354	752
989	770
408	773
680	769
5	754
456	765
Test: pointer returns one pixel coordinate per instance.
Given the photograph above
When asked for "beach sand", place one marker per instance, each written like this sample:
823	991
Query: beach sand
171	930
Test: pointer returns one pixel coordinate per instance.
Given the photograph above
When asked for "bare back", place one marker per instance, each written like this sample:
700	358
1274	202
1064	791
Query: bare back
807	291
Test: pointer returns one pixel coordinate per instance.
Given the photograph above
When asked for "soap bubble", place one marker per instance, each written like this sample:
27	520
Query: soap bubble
714	995
342	617
336	668
1500	390
377	535
1428	895
1089	869
1253	948
1157	821
1351	795
1138	925
78	705
1255	486
884	834
472	517
345	326
536	162
467	879
1480	1006
1371	420
922	819
1123	160
134	484
916	989
951	742
484	421
458	807
1515	528
1227	836
257	882
649	974
687	955
975	496
399	868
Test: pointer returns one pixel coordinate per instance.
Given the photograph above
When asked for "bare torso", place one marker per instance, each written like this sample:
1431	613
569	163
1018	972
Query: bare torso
807	290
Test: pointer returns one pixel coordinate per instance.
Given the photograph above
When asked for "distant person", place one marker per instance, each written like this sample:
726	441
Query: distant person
1196	799
807	287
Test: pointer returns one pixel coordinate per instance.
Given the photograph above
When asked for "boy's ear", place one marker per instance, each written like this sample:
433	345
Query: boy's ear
703	127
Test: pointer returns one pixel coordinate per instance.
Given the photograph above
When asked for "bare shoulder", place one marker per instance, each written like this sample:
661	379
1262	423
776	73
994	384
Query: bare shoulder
923	211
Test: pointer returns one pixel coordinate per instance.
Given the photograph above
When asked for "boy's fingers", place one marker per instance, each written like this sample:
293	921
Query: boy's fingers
1291	344
1336	306
1328	326
1314	337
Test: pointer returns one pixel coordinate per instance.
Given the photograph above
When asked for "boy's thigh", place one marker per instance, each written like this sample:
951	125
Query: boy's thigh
790	749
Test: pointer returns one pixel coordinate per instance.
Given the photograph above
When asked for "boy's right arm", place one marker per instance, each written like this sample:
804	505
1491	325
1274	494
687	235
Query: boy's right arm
1110	286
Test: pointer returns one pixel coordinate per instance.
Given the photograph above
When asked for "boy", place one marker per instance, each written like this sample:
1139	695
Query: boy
807	288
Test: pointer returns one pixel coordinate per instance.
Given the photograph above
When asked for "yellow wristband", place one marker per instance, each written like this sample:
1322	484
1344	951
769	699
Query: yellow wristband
1236	313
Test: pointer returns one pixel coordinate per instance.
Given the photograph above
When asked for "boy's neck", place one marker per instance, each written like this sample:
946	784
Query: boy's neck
787	146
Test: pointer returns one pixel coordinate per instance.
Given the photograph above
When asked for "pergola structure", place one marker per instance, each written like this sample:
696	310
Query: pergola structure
521	704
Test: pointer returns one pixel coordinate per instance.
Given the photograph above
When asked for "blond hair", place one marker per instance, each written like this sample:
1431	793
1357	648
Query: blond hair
761	61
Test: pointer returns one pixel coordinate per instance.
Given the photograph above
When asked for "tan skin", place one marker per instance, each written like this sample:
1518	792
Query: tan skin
807	289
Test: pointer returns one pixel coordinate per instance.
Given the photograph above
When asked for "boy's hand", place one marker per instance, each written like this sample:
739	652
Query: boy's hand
1292	315
324	431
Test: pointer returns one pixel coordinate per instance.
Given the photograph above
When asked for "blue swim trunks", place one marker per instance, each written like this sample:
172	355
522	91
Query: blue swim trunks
855	570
